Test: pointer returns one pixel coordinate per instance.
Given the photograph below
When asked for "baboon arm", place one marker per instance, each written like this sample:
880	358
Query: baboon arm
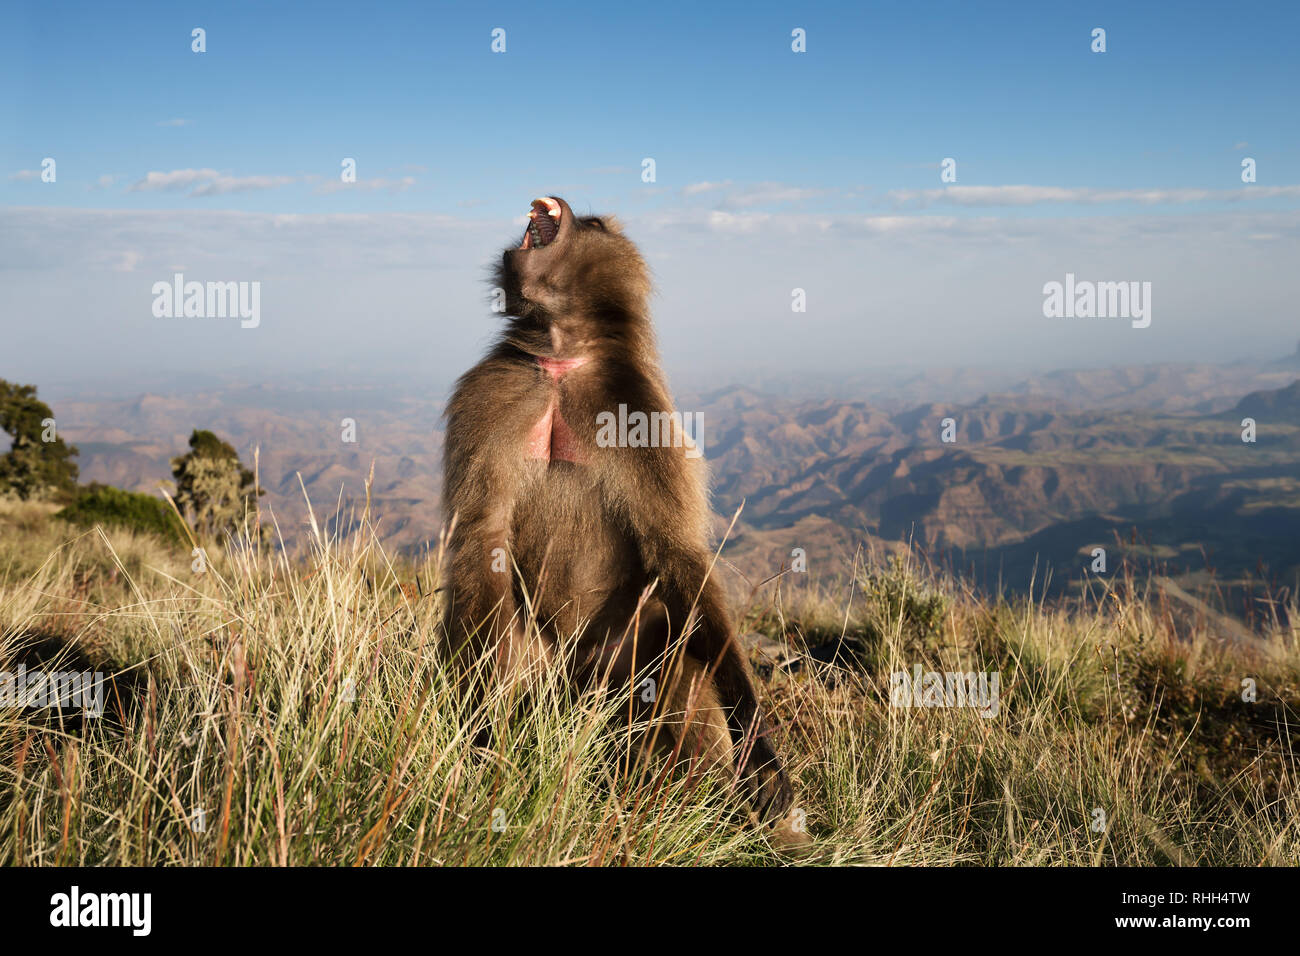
668	521
697	607
481	485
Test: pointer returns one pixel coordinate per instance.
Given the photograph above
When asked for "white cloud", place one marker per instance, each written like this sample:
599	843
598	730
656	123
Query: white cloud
764	194
1085	195
23	175
728	195
367	185
240	184
737	222
176	179
88	240
694	189
174	122
902	224
206	182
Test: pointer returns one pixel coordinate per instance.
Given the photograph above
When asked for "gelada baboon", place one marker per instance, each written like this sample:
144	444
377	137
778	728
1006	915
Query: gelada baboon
546	512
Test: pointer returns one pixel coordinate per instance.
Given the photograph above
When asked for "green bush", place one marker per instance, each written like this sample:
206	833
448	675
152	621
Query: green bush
103	504
899	594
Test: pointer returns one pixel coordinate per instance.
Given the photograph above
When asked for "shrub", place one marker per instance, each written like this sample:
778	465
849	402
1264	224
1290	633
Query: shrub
103	504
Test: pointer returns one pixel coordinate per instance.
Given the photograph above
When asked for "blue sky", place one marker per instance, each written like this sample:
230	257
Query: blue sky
761	155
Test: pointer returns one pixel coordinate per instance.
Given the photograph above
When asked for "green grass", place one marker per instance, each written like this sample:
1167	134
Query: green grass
234	700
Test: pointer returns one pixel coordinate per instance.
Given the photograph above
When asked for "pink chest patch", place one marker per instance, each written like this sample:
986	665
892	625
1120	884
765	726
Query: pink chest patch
551	439
558	367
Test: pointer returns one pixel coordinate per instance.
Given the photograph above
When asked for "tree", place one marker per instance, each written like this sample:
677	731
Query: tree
38	464
213	490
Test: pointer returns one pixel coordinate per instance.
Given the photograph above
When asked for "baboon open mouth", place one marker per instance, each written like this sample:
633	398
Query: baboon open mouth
543	223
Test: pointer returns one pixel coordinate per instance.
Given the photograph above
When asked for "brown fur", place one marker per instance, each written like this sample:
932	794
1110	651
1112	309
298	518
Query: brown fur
586	539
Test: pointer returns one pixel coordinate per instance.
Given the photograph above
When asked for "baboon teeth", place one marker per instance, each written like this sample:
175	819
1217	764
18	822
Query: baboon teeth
543	223
533	236
544	220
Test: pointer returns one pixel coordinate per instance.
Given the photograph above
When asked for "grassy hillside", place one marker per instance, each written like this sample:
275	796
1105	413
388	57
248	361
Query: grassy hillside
291	710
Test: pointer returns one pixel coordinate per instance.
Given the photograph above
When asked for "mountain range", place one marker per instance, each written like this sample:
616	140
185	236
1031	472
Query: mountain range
1003	485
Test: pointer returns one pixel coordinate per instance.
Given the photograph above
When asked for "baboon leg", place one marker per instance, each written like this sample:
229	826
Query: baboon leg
481	617
693	726
690	722
672	700
691	595
523	653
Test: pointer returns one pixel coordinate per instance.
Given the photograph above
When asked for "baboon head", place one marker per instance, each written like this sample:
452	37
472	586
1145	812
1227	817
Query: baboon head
569	266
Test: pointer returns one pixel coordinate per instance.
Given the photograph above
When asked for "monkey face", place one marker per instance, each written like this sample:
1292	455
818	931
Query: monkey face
572	267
